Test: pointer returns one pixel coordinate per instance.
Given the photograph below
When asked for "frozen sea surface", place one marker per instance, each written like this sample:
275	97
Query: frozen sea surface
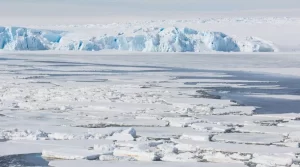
89	109
118	108
285	86
252	83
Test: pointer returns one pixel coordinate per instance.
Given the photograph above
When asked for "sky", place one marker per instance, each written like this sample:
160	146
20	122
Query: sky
41	12
108	7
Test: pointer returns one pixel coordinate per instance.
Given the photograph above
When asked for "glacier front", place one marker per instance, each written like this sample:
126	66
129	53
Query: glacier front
154	39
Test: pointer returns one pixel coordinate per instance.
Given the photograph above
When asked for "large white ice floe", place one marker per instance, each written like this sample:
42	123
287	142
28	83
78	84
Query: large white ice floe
70	154
64	134
138	154
248	138
125	135
273	160
183	157
155	39
80	163
13	147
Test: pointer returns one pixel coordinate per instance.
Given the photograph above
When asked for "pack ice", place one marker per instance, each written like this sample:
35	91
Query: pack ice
170	39
81	111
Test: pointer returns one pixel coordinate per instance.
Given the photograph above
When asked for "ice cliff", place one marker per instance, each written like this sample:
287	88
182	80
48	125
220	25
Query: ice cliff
171	39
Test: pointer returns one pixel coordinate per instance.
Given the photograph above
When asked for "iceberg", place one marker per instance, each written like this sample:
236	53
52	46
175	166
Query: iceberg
19	38
255	44
156	39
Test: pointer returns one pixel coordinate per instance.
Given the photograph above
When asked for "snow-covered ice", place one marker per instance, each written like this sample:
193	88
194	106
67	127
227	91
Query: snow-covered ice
70	154
210	127
137	164
198	136
87	90
137	154
194	146
249	138
139	113
125	135
273	160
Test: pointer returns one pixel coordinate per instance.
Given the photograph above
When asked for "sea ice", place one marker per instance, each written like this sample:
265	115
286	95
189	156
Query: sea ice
182	157
70	154
80	163
248	138
198	136
124	135
209	127
137	154
192	145
273	160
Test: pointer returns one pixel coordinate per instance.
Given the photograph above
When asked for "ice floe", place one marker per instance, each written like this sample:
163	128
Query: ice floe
137	154
134	116
70	154
248	138
80	163
125	135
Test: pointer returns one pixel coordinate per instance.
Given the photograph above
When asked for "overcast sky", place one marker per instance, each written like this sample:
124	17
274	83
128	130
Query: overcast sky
105	7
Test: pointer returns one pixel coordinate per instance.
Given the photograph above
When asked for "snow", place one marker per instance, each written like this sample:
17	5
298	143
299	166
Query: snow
53	133
104	149
130	131
273	160
248	138
289	97
114	158
196	136
237	120
16	134
136	164
219	157
192	145
70	154
182	157
294	136
136	122
265	129
136	144
287	116
168	148
29	146
119	106
239	110
125	135
141	112
180	122
209	127
137	154
162	132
